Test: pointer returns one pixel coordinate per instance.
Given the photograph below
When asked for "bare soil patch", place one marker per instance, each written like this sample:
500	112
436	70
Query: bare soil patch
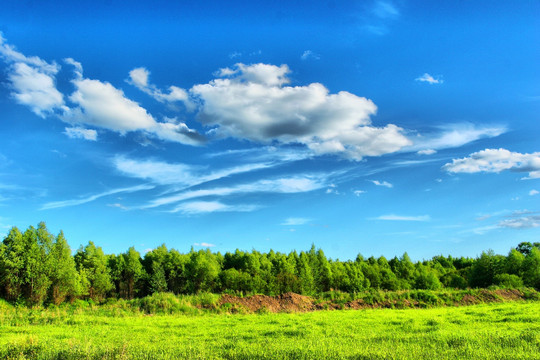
291	302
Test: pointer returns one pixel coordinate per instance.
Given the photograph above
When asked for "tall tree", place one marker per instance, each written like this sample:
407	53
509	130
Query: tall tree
38	244
92	263
12	264
65	281
132	272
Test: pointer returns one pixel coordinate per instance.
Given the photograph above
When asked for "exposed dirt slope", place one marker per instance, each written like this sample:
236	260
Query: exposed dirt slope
291	302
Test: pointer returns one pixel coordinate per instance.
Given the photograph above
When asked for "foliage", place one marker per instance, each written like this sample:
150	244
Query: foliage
37	267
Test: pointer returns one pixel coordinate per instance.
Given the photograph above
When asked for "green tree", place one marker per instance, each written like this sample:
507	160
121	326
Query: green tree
426	278
12	264
202	270
38	243
131	272
92	264
485	268
514	262
531	268
65	280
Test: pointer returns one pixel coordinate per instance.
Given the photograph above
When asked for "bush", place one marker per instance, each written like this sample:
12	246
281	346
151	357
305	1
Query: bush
508	281
166	303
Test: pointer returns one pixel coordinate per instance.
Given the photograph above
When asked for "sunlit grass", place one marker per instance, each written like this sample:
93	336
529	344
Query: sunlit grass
494	331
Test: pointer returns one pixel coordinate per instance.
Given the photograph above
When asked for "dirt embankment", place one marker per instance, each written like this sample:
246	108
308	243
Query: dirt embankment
291	302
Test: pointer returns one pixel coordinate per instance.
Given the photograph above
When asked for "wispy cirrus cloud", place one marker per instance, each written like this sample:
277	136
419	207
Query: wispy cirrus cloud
452	136
84	200
205	207
392	217
379	17
288	185
308	54
163	173
295	221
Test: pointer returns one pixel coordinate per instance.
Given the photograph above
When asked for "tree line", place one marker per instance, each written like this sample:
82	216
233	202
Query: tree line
37	267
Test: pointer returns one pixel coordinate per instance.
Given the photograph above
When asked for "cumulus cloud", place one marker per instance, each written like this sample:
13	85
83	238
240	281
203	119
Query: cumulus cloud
393	217
253	102
382	183
359	192
534	192
139	78
32	80
204	207
495	161
81	133
429	79
102	105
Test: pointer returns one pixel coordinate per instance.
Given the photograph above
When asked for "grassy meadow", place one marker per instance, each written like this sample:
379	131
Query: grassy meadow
508	330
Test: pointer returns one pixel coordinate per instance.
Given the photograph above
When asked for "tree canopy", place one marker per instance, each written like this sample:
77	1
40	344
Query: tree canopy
38	267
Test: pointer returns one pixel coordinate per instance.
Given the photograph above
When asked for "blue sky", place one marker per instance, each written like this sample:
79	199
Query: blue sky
373	127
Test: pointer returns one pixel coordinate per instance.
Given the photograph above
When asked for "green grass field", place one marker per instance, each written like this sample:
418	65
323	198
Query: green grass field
492	331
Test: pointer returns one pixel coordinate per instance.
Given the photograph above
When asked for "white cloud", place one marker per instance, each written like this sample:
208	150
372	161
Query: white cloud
235	54
253	103
81	133
534	192
204	244
359	192
202	207
453	135
393	217
332	189
308	54
74	202
427	152
294	221
32	80
521	222
382	183
495	161
163	173
102	105
429	79
289	185
139	78
119	206
385	10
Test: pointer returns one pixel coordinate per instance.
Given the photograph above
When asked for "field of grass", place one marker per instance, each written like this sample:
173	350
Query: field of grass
490	331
